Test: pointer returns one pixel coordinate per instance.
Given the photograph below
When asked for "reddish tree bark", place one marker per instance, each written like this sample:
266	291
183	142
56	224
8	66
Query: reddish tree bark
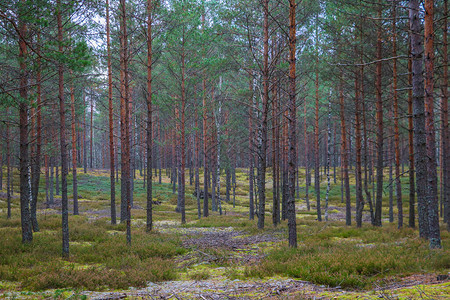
412	185
444	122
25	217
111	120
275	130
263	126
380	126
62	139
292	126
149	116
358	166
396	118
125	214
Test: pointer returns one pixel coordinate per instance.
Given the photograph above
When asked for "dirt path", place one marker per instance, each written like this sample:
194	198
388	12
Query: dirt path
275	288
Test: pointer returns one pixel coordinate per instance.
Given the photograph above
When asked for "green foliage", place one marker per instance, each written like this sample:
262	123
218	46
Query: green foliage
352	258
98	259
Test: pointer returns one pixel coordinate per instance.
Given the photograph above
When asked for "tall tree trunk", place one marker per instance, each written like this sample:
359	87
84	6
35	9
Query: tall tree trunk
36	153
328	156
316	132
380	126
420	144
205	138
432	197
74	152
306	151
8	168
91	144
62	140
285	164
84	134
412	186
183	141
444	122
197	164
125	126
358	168
161	154
348	209
275	129
367	159
111	121
391	188
25	217
292	126
251	171
149	116
398	186
217	143
263	130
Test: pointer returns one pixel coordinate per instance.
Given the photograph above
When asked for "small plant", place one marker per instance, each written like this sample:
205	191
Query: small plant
200	275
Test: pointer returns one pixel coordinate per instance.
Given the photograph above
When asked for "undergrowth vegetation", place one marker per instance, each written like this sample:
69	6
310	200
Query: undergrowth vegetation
99	259
330	254
335	255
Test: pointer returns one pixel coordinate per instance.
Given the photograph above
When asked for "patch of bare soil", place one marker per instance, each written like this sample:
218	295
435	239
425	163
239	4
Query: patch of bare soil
339	214
271	289
5	196
414	280
239	247
212	290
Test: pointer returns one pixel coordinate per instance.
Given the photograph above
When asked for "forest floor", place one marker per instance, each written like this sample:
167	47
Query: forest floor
219	257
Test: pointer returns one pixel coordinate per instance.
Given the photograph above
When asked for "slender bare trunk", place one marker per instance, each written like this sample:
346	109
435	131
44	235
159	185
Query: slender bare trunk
316	134
420	144
398	186
251	171
205	138
412	185
348	209
358	168
183	142
292	126
306	153
328	156
62	140
125	125
444	122
111	121
380	126
149	117
432	197
25	217
8	167
263	129
74	152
